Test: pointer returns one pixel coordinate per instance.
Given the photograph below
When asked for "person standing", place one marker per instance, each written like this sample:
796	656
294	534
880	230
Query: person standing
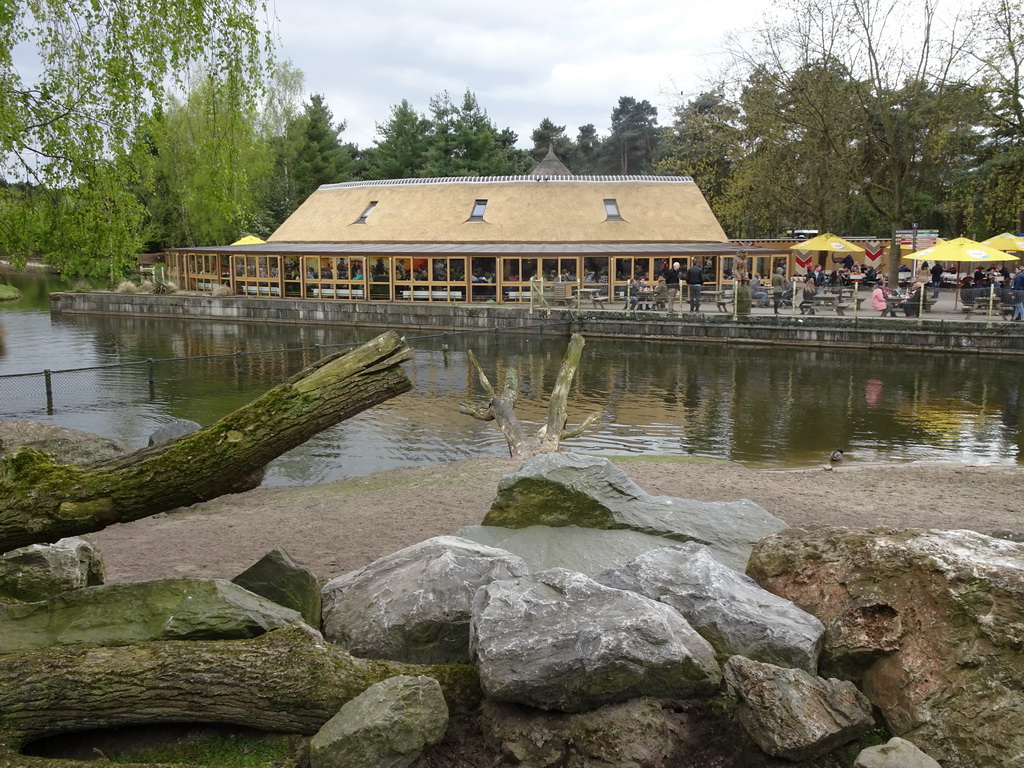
695	281
778	287
672	284
937	271
1018	294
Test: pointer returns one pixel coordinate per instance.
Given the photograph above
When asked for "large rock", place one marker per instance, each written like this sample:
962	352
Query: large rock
584	550
634	734
41	571
121	614
277	577
559	640
932	622
897	753
386	726
559	489
726	607
172	430
65	445
795	715
414	605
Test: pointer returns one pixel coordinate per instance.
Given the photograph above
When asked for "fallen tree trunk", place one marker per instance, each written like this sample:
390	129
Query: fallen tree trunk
500	407
289	680
41	501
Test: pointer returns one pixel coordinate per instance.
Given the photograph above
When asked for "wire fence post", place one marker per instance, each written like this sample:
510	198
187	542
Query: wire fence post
152	378
238	363
47	377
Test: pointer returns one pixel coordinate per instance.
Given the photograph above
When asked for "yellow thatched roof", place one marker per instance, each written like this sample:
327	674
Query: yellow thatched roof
519	209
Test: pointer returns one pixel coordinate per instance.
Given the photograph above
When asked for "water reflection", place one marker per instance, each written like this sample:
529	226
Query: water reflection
763	406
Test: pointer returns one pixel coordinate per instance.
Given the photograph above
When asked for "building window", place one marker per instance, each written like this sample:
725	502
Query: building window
611	210
366	213
478	210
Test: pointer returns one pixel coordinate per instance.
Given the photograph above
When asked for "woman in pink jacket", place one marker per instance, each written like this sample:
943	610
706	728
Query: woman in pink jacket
880	300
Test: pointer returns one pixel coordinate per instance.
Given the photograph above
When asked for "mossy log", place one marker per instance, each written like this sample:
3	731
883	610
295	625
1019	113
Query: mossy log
41	501
500	408
290	680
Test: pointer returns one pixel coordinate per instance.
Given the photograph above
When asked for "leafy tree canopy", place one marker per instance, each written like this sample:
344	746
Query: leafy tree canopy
69	133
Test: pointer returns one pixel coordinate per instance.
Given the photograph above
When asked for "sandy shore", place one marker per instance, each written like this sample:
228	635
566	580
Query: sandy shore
337	527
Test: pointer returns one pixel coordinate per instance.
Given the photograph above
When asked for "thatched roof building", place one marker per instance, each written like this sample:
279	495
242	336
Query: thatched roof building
472	238
506	209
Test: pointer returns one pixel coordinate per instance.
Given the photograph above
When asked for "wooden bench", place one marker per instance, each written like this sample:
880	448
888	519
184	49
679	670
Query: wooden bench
724	299
424	294
841	309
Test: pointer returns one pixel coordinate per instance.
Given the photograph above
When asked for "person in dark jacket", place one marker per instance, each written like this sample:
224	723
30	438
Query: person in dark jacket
937	271
695	279
912	306
672	277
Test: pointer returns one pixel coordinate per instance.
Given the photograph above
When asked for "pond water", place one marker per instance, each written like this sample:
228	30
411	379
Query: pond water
762	406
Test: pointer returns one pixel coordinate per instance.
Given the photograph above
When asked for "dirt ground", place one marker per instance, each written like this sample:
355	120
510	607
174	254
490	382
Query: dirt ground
338	527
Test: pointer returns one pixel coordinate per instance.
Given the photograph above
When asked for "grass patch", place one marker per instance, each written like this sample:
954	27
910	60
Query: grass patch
9	292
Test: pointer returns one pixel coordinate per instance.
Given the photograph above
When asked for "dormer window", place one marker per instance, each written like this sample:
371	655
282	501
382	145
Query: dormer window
611	211
478	210
366	213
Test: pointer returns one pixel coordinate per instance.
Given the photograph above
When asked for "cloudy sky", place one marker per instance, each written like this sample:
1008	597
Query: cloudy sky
569	60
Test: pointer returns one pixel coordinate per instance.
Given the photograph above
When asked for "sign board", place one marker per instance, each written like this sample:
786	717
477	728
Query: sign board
926	238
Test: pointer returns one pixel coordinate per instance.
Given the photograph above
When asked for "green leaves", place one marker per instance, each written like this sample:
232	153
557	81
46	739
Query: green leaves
70	134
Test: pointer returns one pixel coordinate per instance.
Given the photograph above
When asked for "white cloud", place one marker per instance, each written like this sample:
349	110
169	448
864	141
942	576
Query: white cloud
569	61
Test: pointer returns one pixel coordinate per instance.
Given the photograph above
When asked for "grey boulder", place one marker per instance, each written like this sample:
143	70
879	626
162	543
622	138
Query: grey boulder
896	753
559	489
65	445
726	607
584	550
41	571
122	614
173	429
277	577
792	714
559	640
414	605
386	726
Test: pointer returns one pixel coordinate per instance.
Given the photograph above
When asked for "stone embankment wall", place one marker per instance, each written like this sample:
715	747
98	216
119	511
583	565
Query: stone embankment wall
865	332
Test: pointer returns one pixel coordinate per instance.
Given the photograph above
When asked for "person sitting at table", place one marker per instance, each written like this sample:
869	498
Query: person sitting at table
757	291
660	296
882	300
912	306
633	294
810	291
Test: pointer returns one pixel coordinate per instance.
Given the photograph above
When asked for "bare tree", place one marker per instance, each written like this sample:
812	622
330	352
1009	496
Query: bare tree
501	407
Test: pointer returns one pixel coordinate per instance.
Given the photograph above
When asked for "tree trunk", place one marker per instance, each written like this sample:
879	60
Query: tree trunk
289	680
42	502
501	407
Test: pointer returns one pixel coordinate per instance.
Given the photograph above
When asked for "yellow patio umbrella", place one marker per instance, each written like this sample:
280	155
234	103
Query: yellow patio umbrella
961	249
827	242
1005	242
249	240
